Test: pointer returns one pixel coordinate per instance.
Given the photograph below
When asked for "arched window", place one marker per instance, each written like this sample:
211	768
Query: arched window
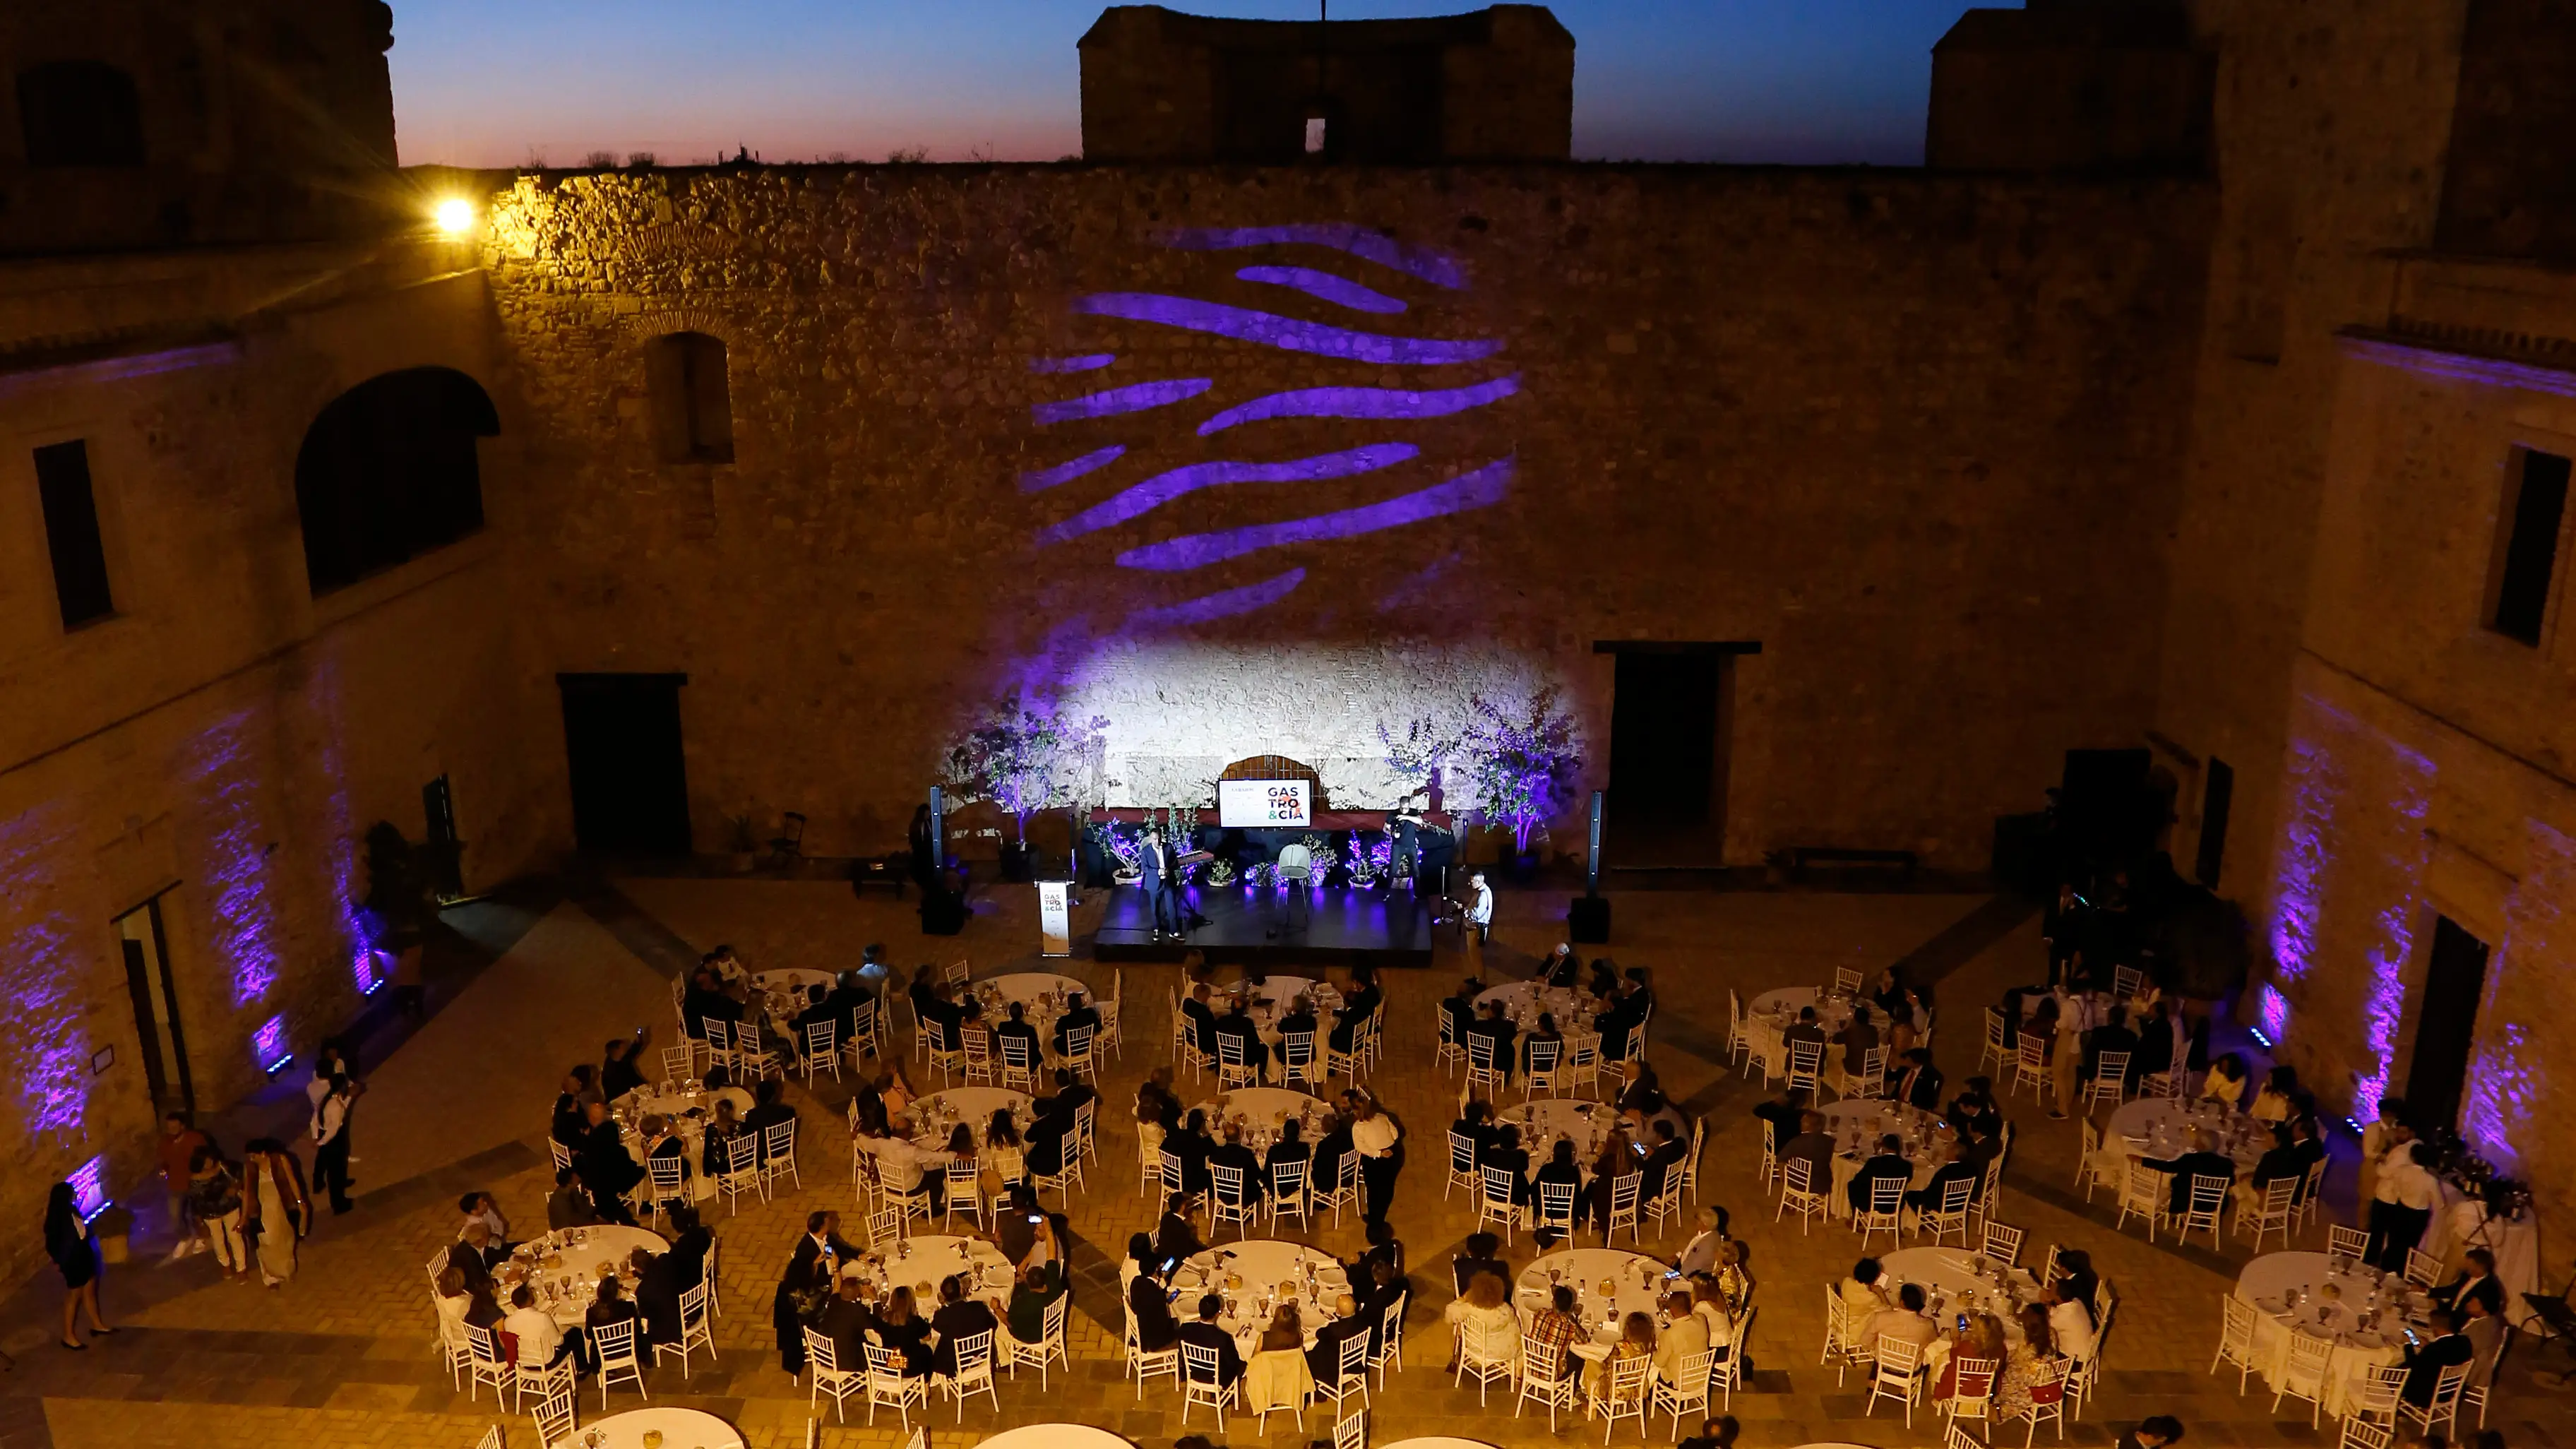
692	404
388	471
79	113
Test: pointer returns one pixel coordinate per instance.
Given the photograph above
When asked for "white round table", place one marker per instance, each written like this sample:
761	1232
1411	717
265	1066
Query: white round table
1433	1442
1857	1127
1055	1436
1772	1013
566	1273
2271	1283
2162	1128
679	1428
1263	1109
1523	1001
1264	1264
679	1107
1637	1284
1950	1278
919	1262
1028	987
786	992
972	1106
1279	990
1542	1121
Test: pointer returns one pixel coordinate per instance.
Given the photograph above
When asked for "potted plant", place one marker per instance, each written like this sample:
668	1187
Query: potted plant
1521	763
1025	755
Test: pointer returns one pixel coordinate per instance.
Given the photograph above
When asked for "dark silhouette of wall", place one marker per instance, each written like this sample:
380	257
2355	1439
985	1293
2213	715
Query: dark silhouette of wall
2071	85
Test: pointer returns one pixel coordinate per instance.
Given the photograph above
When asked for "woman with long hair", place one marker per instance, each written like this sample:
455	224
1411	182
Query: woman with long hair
75	1255
276	1211
1004	1155
2022	1365
906	1332
1636	1341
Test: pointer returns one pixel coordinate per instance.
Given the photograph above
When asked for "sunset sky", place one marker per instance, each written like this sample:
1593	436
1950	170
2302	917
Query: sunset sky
497	82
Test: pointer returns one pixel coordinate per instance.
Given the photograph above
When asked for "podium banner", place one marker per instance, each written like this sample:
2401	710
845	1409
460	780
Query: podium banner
1055	918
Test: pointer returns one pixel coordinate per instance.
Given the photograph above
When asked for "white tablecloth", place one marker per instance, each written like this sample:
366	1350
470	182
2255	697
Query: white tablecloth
1269	1001
1637	1286
919	1262
2166	1126
1054	1436
680	1429
2461	1224
1950	1278
1435	1442
566	1274
934	1115
1774	1012
635	1106
2267	1283
783	994
1262	1110
1857	1126
1264	1264
1524	1000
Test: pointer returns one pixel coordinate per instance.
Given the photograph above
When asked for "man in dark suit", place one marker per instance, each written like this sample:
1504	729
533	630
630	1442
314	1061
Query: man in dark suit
1957	1169
1160	881
658	1287
1500	1030
1889	1163
768	1109
1803	1030
2447	1348
1503	1149
1175	1237
1238	1024
1015	1027
1919	1085
1663	1159
1202	1019
2113	1035
1357	1003
1325	1358
1206	1332
2477	1280
1976	1148
846	1321
2201	1161
2155	1049
1814	1146
1782	1113
607	1168
1232	1153
1480	1256
1077	1013
704	1002
1976	1103
959	1316
1458	1009
477	1253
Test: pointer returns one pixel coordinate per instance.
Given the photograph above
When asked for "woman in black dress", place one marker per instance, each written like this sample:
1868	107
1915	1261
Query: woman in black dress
901	1327
75	1253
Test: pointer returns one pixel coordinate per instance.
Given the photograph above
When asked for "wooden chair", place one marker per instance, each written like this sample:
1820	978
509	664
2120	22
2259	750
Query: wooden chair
822	1050
829	1376
1624	1396
1798	1190
890	1387
1896	1372
2303	1373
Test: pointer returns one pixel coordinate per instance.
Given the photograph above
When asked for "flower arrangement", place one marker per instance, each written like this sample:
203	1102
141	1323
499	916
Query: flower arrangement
1264	876
1220	872
1025	755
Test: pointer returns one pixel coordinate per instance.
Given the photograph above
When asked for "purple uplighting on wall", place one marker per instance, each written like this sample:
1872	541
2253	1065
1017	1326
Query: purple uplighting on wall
1133	399
1045	478
46	1048
248	935
2503	1091
1220	605
1091	362
1383	403
1481	488
1359	241
367	966
1162	488
2272	1012
1340	291
268	1045
1286	333
89	1188
2299	878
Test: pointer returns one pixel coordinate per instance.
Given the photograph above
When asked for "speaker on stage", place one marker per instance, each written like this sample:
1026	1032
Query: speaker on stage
1587	920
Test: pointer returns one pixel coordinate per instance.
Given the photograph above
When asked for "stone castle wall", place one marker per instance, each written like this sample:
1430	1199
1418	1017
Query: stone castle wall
1916	435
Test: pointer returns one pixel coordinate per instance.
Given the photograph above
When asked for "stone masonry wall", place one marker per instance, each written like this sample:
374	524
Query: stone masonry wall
1916	435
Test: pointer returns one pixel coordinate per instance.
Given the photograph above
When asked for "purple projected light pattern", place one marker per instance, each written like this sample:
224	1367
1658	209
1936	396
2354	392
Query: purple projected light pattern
1133	399
89	1188
1481	488
47	1052
1340	291
1090	362
1389	403
1046	478
1220	605
248	933
1359	241
1286	333
1162	488
2504	1091
268	1045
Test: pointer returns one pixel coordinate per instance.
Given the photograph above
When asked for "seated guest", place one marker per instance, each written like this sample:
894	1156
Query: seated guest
1664	1160
2201	1161
663	1144
1191	1146
1484	1307
1699	1255
1077	1014
1904	1322
848	1320
2279	1097
819	1011
1332	1149
1814	1146
2070	1323
2477	1281
2280	1162
1919	1085
607	1168
705	1001
1554	1331
1237	1026
715	1156
1781	1114
958	1317
1323	1361
1857	1039
1147	1302
1560	967
1277	1377
1715	1309
690	1242
476	1255
1560	1170
2113	1035
1543	1035
2225	1083
1458	1009
1478	1257
1299	1021
1640	1090
1290	1148
1804	1030
1033	1292
1202	1018
569	1123
608	1308
543	1343
1233	1154
1500	1034
2076	1279
657	1295
1175	1237
904	1331
1863	1292
1976	1103
453	1302
768	1109
1636	1341
1687	1334
1890	1163
1476	1124
1015	1027
1384	1250
1207	1332
2155	1053
1931	1195
569	1205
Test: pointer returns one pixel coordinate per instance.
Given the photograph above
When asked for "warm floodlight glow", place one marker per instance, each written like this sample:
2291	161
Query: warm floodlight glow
455	216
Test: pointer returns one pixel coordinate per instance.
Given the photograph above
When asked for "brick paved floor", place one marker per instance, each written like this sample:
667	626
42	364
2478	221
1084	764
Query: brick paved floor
343	1355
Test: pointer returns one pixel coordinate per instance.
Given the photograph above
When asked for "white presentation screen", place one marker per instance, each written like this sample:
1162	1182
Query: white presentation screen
1281	804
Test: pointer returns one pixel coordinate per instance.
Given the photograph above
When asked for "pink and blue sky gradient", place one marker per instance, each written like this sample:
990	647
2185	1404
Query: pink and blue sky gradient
498	82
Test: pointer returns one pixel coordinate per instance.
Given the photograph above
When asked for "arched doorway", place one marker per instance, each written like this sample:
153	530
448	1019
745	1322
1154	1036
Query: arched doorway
388	471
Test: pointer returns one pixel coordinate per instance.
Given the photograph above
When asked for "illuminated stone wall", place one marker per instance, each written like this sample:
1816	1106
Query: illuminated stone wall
224	739
1916	435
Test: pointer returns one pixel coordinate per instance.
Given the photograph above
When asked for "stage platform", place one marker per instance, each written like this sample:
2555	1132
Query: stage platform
1345	927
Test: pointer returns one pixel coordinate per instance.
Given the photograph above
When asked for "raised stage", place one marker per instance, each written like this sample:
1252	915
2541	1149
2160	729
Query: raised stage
1343	927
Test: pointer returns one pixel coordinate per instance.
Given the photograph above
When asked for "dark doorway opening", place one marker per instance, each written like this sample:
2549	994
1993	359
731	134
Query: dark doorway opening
446	852
2453	981
156	1008
630	786
2217	794
1670	718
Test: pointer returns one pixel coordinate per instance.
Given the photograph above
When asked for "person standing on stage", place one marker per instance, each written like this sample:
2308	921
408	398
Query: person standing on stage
1154	862
1406	857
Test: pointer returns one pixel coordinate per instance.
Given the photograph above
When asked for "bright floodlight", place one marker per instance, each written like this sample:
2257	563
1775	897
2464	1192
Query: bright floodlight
455	216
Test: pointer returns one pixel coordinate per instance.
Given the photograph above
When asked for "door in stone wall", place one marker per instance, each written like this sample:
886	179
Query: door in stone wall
1668	748
2445	1026
630	786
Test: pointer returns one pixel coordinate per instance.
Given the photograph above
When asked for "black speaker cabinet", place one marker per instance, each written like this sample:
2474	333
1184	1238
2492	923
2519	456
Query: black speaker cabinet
1587	920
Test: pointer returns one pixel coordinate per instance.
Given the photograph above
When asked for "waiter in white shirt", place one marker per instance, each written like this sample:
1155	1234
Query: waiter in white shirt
1373	1138
1480	922
2404	1205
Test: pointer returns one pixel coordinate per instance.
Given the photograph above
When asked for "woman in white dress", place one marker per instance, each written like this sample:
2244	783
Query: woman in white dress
274	1200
